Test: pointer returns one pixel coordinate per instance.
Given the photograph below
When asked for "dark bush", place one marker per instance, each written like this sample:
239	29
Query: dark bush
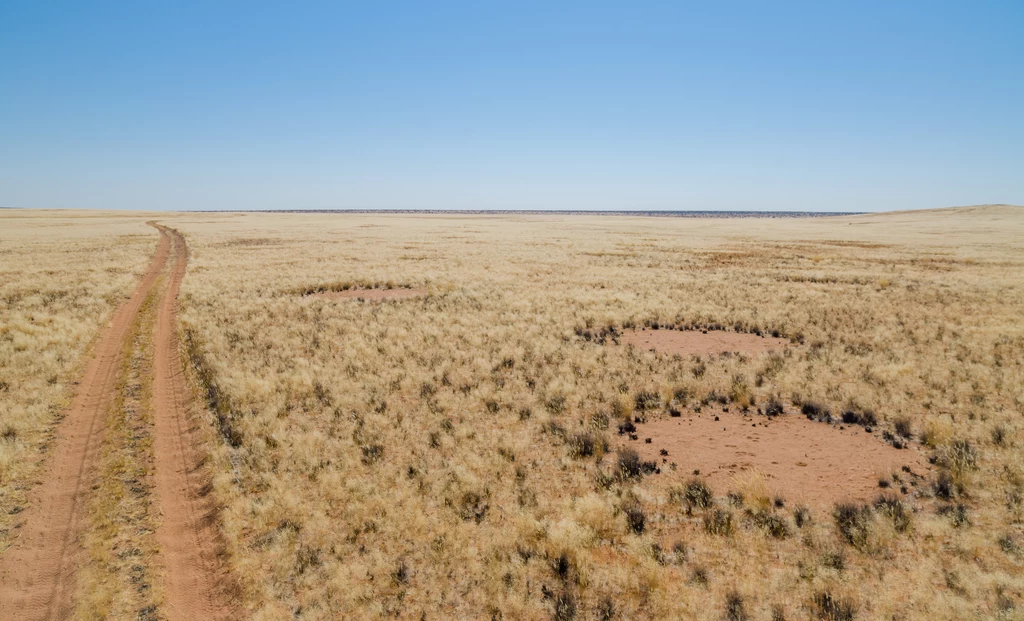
836	559
583	444
635	517
699	575
894	440
697	494
627	427
372	453
903	427
734	608
473	506
565	606
894	509
774	408
605	609
853	523
772	524
830	608
646	400
945	486
957	514
802	516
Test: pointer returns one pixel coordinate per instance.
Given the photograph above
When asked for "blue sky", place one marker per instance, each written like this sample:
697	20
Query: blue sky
474	105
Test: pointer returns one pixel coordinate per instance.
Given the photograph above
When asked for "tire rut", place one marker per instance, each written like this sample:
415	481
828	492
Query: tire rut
196	584
38	571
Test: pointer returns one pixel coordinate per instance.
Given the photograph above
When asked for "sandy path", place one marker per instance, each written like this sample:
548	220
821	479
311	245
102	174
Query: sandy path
195	583
37	574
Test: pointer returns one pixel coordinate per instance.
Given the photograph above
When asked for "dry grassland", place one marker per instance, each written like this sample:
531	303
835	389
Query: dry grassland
61	276
457	454
441	456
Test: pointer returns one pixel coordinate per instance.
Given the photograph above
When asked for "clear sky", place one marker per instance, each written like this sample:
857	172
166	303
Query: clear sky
540	105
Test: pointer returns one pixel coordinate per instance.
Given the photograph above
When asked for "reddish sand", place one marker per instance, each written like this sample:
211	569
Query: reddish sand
195	580
694	342
374	295
805	462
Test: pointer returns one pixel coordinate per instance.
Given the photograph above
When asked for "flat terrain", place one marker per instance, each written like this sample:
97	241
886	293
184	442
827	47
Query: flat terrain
447	416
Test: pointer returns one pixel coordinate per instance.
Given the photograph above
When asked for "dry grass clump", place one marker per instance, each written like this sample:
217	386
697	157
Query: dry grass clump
62	274
444	455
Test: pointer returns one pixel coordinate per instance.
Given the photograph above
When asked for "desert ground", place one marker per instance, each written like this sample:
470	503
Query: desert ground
363	416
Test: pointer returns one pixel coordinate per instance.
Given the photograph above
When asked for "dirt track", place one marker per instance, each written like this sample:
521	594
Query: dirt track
38	573
196	587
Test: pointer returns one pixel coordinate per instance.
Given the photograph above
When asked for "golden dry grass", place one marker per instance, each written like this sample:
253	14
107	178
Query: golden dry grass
62	273
416	458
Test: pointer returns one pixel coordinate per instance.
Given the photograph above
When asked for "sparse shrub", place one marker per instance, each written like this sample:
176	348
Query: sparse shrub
525	413
854	523
627	427
635	517
555	404
646	401
999	435
945	487
1008	544
401	573
774	408
719	522
960	456
473	506
835	559
903	427
584	444
696	494
10	433
735	499
629	464
605	609
816	411
679	552
734	607
699	576
563	568
957	514
894	509
772	524
565	606
802	516
372	453
894	440
828	607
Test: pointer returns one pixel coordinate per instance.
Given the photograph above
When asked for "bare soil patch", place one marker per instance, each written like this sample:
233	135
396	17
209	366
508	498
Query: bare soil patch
373	295
701	343
803	461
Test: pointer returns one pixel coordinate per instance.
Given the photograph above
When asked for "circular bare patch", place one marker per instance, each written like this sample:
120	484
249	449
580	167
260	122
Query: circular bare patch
803	461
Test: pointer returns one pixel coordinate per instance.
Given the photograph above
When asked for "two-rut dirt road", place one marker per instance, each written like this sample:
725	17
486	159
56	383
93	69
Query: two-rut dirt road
38	572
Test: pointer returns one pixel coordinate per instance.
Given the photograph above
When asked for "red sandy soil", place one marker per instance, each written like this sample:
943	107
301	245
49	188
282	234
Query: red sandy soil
806	462
37	574
694	342
374	295
196	583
